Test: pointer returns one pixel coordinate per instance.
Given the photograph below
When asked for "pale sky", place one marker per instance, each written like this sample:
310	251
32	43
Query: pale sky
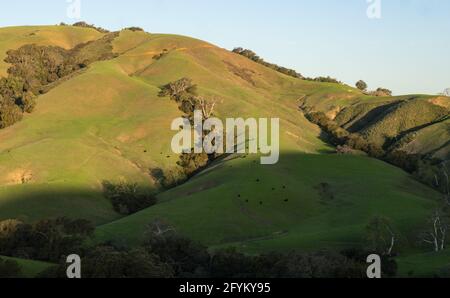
406	50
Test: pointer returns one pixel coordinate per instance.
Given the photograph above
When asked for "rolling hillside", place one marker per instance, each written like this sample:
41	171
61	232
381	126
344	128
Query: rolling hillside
417	124
108	123
80	129
304	202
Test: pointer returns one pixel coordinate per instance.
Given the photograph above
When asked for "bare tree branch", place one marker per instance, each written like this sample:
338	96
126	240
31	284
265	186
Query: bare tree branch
438	234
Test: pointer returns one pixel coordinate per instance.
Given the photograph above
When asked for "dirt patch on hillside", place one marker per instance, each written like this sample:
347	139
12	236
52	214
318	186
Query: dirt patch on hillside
19	176
123	138
138	134
244	73
441	101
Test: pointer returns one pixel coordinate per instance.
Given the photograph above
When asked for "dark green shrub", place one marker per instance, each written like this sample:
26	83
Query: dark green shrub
361	85
27	102
46	240
110	262
178	88
10	113
134	29
187	258
127	198
324	80
383	92
86	25
192	162
252	56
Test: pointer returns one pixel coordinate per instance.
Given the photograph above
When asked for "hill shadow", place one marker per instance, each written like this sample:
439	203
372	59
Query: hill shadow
31	203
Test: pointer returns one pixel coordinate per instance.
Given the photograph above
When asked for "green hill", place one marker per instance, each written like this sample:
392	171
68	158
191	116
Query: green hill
432	139
107	122
80	129
303	202
415	124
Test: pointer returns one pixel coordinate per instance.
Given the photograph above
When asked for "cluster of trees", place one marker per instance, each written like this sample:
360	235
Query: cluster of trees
290	72
86	25
107	261
361	85
134	29
381	235
99	29
184	92
430	171
191	163
381	92
35	69
167	179
10	113
16	98
435	173
191	262
324	80
341	137
37	66
166	254
46	240
383	238
128	198
436	235
254	57
178	90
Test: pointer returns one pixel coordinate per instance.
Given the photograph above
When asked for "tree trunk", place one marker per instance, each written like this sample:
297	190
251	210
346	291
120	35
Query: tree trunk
391	248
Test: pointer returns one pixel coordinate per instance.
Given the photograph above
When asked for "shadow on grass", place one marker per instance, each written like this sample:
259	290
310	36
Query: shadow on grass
31	203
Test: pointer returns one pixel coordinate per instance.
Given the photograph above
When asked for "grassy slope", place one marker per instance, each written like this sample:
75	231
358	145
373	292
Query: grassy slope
213	208
30	269
435	139
83	133
424	264
66	148
393	119
382	118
